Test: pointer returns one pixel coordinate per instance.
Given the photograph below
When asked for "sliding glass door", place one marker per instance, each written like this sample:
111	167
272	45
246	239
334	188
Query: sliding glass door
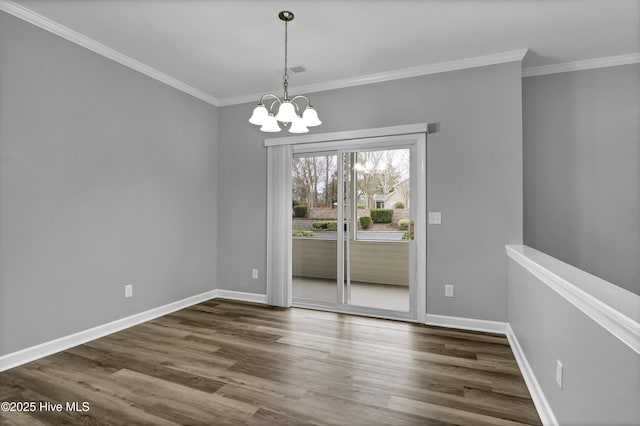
314	197
353	246
377	243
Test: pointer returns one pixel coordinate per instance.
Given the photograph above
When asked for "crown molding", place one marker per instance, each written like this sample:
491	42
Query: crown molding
60	30
47	24
460	64
587	64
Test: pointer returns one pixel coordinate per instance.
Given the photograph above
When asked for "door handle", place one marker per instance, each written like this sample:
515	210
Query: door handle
411	230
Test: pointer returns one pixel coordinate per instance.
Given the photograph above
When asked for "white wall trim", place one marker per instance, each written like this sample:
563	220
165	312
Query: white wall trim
555	274
455	65
539	400
47	24
587	64
41	350
67	33
467	323
240	295
23	356
33	353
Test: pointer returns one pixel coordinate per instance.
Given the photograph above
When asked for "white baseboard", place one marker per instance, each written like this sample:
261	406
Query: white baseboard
539	400
51	347
48	348
26	355
467	323
240	295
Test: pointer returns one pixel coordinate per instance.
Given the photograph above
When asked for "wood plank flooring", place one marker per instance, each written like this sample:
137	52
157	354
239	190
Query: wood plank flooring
231	363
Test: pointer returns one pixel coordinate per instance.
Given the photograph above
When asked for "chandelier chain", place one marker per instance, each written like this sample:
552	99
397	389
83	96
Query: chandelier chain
286	74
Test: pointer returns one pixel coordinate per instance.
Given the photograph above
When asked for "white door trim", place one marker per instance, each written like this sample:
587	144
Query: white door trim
420	224
280	154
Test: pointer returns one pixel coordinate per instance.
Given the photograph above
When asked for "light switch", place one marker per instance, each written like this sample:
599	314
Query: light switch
448	290
435	218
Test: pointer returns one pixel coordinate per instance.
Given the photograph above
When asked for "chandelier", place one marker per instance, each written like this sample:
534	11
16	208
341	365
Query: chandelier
288	110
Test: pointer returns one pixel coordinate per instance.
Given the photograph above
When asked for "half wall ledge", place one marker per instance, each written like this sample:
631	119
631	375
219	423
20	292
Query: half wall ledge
614	308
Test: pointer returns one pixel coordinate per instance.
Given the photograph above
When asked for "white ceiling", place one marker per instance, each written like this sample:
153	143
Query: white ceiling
229	49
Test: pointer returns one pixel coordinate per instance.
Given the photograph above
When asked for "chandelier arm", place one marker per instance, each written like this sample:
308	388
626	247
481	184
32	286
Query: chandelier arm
301	97
277	100
268	95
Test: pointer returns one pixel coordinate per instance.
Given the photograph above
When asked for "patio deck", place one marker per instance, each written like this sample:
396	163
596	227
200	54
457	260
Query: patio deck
383	296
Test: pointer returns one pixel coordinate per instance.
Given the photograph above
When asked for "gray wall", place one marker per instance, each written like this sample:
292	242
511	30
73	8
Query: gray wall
474	178
601	384
582	170
107	178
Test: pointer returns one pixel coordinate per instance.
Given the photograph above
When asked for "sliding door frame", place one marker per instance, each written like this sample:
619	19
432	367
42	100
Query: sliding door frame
279	255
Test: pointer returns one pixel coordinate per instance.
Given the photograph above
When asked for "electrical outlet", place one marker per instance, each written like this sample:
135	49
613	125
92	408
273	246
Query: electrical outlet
254	274
128	290
448	290
435	218
559	371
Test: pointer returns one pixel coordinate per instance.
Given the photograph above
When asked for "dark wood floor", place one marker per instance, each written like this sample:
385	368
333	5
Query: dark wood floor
224	362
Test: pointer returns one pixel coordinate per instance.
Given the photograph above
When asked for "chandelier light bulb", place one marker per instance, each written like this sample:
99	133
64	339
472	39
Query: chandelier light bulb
259	116
288	107
310	116
286	112
270	125
297	126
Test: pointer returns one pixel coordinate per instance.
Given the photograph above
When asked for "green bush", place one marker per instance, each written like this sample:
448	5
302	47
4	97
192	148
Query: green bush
299	211
295	203
319	226
403	224
382	215
398	205
405	236
325	225
365	221
360	206
298	233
